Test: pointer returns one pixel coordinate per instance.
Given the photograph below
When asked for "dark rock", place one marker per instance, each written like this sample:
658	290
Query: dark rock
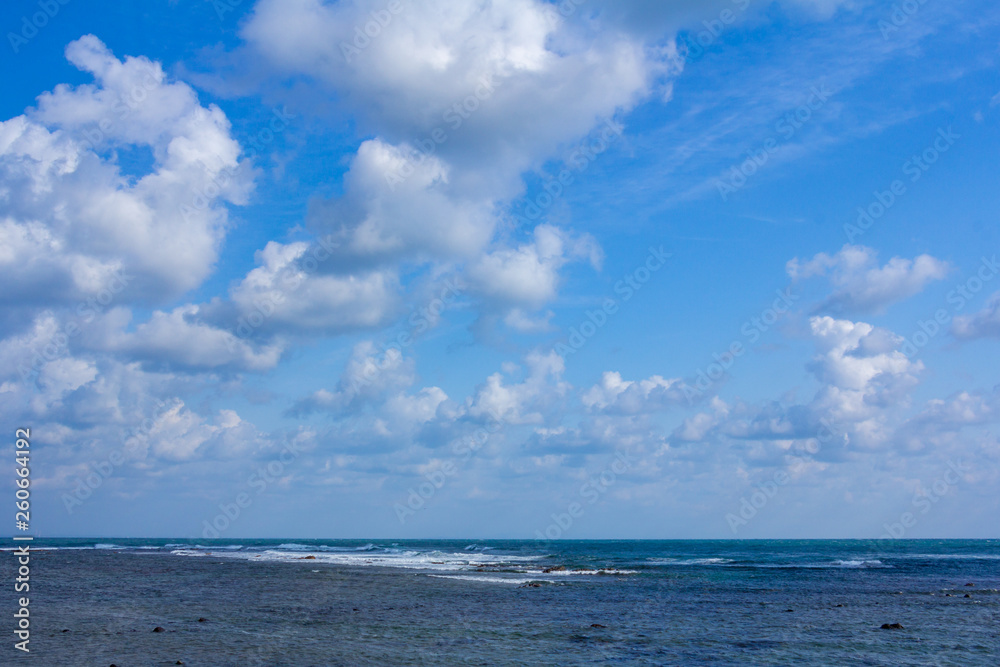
65	629
597	625
202	620
970	584
158	629
179	662
967	596
787	610
892	626
838	605
557	568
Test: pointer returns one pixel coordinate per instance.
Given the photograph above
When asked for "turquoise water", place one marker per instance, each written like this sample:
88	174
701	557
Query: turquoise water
385	602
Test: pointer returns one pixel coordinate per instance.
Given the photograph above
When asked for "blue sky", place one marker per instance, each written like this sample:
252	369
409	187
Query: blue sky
616	243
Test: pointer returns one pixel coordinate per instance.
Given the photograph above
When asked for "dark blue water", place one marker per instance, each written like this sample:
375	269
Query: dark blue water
335	602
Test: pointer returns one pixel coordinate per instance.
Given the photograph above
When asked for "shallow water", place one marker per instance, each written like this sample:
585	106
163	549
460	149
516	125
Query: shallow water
328	602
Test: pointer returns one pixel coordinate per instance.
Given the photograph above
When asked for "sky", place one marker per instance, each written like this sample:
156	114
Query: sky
508	269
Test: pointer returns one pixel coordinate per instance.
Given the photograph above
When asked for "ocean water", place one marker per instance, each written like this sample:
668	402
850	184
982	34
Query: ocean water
358	602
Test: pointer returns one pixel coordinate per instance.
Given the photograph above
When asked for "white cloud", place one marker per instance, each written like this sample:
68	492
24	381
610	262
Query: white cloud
180	338
529	83
385	217
864	387
861	285
613	394
529	274
371	375
984	324
289	290
522	402
552	78
178	434
863	372
70	216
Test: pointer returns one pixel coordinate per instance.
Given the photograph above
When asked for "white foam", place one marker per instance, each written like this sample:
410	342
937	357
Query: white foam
490	580
689	561
228	547
857	563
570	573
432	560
189	552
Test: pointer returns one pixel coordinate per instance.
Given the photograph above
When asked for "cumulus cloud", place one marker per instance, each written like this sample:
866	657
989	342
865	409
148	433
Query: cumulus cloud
180	339
289	292
529	274
444	84
178	434
550	77
74	221
939	422
864	384
613	394
370	377
984	324
384	217
521	402
863	372
861	285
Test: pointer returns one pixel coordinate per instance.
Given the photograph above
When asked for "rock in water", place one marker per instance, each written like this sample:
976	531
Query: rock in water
892	626
158	629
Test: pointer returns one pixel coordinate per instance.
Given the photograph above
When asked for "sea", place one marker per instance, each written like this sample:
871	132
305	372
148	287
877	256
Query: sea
298	602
